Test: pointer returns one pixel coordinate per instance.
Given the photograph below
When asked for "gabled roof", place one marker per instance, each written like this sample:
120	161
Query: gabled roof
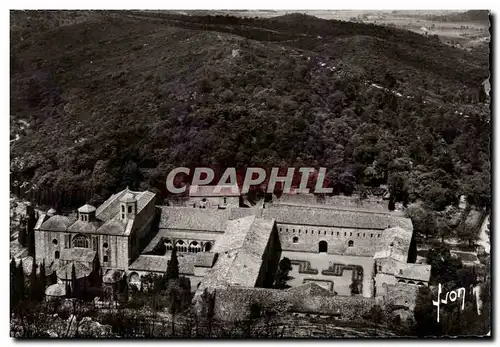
395	243
153	263
113	227
240	250
78	254
329	217
57	223
217	190
417	272
81	270
111	207
189	218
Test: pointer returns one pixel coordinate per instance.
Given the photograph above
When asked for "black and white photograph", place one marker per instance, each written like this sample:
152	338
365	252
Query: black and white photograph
250	174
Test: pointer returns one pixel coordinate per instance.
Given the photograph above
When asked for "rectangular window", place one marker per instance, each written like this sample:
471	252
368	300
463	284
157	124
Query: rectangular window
130	209
123	208
123	216
105	259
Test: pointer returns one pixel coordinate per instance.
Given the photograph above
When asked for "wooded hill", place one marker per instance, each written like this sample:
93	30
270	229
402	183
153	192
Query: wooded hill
120	98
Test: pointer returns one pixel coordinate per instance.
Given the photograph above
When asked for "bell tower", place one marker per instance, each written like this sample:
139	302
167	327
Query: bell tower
128	206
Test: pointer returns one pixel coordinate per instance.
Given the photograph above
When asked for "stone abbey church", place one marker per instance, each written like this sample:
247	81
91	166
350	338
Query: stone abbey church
347	250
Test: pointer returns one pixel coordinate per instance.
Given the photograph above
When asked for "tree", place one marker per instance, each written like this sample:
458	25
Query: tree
444	268
14	291
73	280
398	188
467	233
425	314
43	279
284	267
21	237
173	266
34	288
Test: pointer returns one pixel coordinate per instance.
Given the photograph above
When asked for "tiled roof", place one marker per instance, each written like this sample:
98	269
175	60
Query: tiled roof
217	190
81	270
190	218
159	263
235	234
343	218
57	223
418	272
112	227
395	243
58	289
87	208
240	249
84	227
40	221
78	254
153	263
205	259
111	207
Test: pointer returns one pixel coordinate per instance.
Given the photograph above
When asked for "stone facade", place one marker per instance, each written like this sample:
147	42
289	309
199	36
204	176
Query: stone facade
113	232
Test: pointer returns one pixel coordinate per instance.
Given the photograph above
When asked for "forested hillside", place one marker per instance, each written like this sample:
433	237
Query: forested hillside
106	99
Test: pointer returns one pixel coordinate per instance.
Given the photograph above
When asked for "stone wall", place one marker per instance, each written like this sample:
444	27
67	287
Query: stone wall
365	242
234	303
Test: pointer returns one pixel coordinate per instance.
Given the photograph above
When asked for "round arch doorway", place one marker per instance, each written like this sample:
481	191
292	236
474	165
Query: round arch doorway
323	247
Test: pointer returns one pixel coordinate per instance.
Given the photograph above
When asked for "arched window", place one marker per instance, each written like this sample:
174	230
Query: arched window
55	242
401	281
180	246
168	245
411	282
350	243
420	284
194	247
323	247
207	246
57	254
295	239
81	241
